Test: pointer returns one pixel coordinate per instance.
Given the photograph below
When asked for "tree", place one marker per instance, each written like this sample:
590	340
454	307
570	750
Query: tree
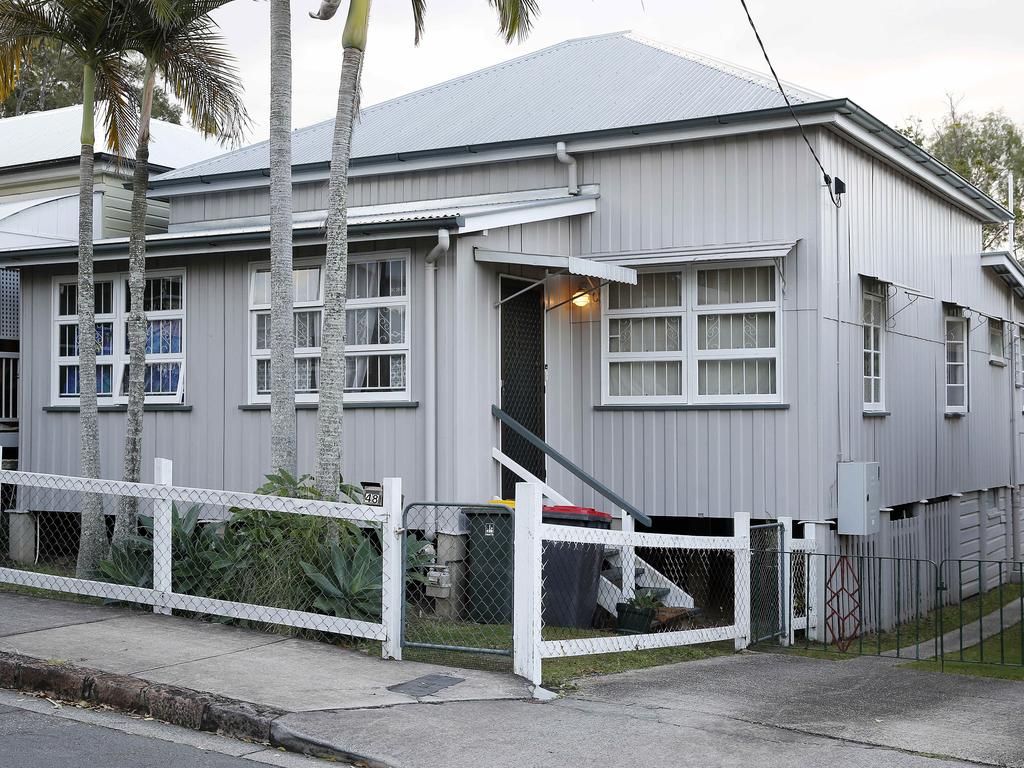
51	78
514	21
181	44
983	149
94	33
283	437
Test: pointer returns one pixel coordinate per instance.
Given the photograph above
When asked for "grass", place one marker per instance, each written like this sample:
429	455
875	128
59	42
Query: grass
1002	653
921	630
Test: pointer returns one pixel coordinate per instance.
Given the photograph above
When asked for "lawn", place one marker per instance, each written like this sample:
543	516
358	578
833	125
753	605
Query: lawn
925	628
1001	656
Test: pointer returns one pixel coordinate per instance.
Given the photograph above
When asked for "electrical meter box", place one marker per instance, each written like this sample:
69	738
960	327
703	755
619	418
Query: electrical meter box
860	497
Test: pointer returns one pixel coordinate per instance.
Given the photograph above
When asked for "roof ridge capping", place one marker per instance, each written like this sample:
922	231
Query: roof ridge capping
798	92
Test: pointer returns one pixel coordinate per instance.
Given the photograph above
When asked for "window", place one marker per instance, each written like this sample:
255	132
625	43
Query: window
692	335
1020	355
164	304
996	342
957	374
874	335
377	351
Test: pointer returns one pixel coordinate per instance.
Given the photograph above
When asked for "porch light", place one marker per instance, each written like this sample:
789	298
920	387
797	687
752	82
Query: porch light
581	298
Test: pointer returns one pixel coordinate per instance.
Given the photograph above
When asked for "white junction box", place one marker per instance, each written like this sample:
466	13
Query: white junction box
860	497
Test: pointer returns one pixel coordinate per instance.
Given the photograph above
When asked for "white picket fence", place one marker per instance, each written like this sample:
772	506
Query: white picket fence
159	498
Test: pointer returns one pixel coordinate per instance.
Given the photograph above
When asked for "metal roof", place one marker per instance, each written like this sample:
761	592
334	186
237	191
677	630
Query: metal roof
1007	267
589	84
55	134
459	215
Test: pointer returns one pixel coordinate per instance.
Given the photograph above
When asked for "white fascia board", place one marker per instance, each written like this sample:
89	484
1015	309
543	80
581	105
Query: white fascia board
573	264
874	144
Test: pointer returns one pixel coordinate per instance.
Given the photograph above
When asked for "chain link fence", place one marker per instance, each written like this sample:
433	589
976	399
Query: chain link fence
258	559
459	581
604	591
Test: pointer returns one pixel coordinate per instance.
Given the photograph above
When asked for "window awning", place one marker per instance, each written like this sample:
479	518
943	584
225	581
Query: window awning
1008	268
571	264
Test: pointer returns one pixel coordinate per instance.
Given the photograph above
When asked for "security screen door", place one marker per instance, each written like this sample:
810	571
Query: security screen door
522	376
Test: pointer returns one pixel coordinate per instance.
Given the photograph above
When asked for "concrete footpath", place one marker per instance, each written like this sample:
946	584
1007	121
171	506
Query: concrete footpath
748	709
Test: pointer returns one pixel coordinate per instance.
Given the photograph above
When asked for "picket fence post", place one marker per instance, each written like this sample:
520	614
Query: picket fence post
741	579
163	546
392	535
527	578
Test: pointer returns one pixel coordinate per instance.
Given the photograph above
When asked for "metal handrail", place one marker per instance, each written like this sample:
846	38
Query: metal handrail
575	469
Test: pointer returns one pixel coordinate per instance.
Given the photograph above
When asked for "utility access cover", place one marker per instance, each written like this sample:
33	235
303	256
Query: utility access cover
427	685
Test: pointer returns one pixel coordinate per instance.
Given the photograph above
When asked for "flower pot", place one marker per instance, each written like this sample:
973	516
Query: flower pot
633	620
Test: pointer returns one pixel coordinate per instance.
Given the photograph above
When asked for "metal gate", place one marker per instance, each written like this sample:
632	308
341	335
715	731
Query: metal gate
768	598
458	571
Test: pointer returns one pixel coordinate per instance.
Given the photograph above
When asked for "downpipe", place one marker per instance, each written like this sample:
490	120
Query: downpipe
430	352
568	160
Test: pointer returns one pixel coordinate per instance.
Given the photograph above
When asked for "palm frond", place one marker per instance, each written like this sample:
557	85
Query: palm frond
515	17
419	10
326	10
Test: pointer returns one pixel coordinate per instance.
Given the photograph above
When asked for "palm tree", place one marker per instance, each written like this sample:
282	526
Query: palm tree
514	20
282	320
179	41
94	32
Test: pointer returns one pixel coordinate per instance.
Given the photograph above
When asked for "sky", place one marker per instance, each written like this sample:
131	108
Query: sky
895	58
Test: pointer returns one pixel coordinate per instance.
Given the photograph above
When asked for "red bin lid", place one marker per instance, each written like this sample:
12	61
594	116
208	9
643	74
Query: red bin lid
565	509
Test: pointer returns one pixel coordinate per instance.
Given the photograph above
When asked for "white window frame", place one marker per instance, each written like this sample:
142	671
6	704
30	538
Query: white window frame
351	350
119	356
689	355
993	324
947	320
875	292
1019	355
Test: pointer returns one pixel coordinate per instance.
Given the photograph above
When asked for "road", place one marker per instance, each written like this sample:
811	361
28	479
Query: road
36	734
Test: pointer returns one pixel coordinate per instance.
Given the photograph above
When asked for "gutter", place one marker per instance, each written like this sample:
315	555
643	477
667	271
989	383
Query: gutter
166	245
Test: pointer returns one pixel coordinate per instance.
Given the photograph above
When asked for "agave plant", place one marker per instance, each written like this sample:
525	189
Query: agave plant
351	588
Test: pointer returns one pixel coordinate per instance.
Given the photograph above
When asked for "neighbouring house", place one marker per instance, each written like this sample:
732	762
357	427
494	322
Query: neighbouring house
626	247
39	155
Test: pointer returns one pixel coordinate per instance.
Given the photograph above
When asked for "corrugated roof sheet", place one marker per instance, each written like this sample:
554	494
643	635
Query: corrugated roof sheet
55	135
588	84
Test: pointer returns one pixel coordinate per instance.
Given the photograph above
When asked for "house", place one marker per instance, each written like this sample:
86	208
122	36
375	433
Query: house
628	248
39	155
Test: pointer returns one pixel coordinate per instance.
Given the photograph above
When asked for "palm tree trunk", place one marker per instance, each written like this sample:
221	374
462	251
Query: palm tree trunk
282	322
126	523
92	543
332	365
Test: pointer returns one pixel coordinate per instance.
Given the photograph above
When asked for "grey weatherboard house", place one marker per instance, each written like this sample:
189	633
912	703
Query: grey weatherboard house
627	247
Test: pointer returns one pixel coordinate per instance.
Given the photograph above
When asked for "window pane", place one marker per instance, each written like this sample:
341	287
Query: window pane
653	378
752	330
307	330
263	377
307	284
954	330
161	294
375	373
955	396
307	375
653	289
163	337
740	285
376	279
261	287
161	378
69	383
104	300
995	339
644	334
67	302
954	374
263	331
104	338
67	342
954	352
378	325
736	377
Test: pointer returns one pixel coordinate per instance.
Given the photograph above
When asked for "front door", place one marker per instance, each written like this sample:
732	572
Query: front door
522	376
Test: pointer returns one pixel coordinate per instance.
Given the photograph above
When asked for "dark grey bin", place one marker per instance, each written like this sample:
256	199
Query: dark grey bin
572	571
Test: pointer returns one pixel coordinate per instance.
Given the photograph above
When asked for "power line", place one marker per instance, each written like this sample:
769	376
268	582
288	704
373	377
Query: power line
828	179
